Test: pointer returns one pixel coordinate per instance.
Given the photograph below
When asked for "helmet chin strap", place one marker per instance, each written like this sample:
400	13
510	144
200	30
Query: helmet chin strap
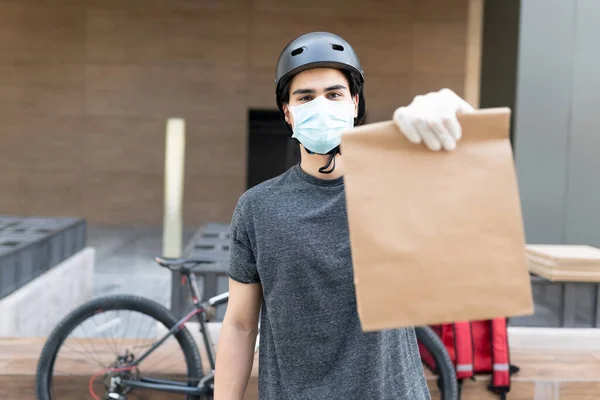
332	155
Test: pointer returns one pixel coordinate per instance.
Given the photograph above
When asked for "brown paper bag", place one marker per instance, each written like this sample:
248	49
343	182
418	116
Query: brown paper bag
436	237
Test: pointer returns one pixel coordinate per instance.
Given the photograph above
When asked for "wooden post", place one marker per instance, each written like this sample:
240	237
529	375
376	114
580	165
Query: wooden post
474	43
174	182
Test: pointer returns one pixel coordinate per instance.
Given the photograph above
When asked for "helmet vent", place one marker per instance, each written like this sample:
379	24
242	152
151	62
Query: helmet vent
297	51
337	47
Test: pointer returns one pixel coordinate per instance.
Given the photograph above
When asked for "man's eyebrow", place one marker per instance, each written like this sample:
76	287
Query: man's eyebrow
304	91
335	87
312	91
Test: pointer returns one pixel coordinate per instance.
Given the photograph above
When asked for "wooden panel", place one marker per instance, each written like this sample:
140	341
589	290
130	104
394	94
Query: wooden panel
35	31
10	201
41	73
442	11
37	87
424	83
163	91
209	37
439	48
478	391
143	35
579	390
384	93
10	143
121	144
224	154
125	35
21	387
119	197
53	193
217	143
183	5
53	3
558	364
40	143
261	89
401	9
41	101
211	197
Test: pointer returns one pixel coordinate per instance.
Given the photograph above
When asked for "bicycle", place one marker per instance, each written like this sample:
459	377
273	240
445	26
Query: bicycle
119	375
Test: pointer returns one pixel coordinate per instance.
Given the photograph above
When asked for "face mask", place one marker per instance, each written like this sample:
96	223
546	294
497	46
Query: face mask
319	124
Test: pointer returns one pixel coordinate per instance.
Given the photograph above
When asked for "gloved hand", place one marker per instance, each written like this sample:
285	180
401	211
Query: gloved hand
431	119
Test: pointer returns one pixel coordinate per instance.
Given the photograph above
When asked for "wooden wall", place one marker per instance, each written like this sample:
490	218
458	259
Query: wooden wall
87	85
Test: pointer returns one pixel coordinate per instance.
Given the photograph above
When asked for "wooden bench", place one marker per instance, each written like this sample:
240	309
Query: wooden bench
545	374
573	267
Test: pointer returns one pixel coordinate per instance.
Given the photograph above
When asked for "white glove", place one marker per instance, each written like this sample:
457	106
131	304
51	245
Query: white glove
431	119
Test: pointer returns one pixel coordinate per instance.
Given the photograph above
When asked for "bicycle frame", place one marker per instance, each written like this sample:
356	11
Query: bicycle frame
205	385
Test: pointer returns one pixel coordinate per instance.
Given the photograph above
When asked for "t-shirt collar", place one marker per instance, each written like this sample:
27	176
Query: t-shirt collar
317	181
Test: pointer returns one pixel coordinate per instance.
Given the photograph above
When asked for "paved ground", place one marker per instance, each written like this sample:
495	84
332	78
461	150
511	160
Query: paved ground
124	262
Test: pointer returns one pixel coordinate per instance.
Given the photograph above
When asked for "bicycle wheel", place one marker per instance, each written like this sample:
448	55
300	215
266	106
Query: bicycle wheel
447	381
82	338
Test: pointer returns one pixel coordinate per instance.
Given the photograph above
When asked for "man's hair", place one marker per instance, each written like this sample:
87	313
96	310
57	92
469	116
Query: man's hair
352	82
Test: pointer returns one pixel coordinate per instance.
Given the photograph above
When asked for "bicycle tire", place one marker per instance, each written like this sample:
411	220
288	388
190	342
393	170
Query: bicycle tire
111	303
446	373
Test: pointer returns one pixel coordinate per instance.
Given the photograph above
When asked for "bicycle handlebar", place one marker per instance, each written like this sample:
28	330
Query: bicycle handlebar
219	299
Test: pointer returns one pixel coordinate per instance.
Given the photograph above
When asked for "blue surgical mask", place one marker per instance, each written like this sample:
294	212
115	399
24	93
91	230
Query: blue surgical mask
319	124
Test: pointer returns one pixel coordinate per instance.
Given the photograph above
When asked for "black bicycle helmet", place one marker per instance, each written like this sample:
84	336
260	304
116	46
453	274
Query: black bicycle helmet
314	50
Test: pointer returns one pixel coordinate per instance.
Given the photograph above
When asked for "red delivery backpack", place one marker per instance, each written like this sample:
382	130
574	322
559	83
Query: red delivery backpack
476	347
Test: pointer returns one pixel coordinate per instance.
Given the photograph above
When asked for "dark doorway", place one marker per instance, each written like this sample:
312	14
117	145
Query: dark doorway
271	151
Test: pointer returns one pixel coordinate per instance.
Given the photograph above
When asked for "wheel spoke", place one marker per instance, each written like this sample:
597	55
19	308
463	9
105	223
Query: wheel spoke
97	345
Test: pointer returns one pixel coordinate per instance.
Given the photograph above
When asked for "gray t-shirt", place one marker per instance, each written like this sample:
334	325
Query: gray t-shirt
290	234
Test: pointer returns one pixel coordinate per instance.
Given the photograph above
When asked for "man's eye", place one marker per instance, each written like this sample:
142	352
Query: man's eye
334	95
305	98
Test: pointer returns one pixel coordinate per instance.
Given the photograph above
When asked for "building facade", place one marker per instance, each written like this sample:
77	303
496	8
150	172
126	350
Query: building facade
86	88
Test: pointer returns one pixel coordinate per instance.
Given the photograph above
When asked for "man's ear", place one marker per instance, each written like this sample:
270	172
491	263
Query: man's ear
356	101
286	112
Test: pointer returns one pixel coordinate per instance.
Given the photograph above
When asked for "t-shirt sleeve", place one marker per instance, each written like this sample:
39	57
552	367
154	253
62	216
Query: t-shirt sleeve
242	263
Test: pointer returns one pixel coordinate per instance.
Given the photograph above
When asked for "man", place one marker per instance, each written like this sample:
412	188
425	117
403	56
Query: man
290	247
